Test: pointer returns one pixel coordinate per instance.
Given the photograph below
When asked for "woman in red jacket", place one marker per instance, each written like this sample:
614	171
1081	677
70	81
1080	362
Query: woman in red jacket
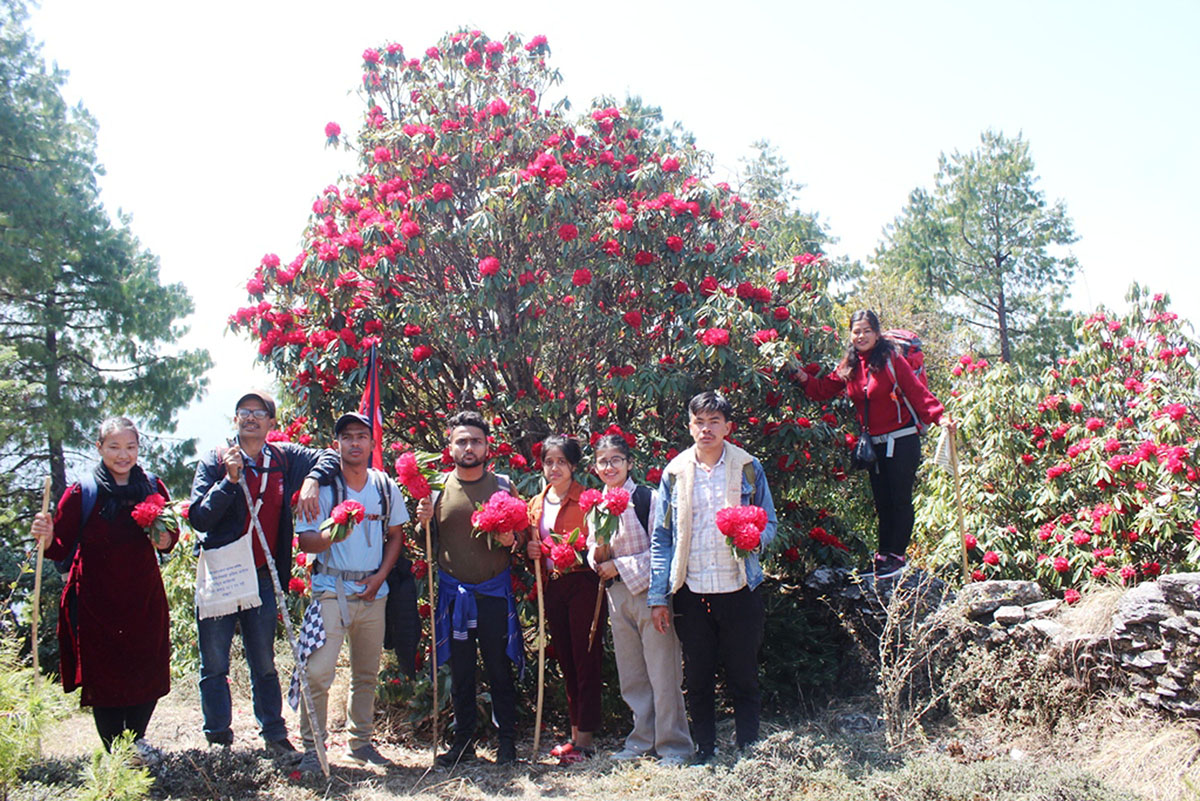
113	620
883	387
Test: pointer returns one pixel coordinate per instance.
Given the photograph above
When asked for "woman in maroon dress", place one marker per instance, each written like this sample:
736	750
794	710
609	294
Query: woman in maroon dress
113	624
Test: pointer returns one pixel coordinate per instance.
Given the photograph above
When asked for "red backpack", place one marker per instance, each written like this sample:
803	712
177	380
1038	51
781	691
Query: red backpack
909	345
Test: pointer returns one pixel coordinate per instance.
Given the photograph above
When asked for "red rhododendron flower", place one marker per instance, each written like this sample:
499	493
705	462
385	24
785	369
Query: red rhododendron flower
633	319
501	514
654	475
1061	564
564	556
420	569
978	575
1094	424
675	243
670	164
441	191
765	335
332	129
348	511
742	527
297	585
781	313
146	512
581	277
589	498
489	265
970	541
616	500
421	352
991	558
1071	596
567	232
715	337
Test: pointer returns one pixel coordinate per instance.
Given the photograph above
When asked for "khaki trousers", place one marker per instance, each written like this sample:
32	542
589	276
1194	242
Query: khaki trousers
365	633
650	668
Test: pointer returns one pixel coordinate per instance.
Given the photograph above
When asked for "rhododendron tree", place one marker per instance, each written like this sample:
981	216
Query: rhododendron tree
557	272
1084	474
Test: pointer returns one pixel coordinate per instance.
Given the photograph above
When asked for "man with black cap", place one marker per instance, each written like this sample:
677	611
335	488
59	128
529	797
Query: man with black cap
349	583
273	472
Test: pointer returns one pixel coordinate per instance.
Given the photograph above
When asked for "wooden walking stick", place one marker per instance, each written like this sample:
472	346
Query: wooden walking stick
431	561
596	615
37	587
537	718
962	526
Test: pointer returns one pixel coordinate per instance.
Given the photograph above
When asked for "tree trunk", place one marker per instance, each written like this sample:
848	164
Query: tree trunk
1002	324
54	442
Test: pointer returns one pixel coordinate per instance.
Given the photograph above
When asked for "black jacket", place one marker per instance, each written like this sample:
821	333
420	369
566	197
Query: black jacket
218	507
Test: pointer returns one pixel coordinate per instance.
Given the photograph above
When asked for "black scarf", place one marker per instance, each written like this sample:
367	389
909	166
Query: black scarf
113	497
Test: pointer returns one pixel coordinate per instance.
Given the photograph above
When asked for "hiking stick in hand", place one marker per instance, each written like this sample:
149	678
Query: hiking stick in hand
432	631
596	615
962	526
537	720
37	586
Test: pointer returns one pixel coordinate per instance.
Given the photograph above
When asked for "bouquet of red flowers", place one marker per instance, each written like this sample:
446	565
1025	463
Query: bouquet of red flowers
414	476
604	510
502	514
159	517
565	552
342	520
743	527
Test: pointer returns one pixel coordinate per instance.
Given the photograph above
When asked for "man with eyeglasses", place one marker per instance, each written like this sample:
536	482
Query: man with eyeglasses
274	473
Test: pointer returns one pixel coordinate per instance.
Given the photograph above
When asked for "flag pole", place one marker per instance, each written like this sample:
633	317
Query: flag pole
433	659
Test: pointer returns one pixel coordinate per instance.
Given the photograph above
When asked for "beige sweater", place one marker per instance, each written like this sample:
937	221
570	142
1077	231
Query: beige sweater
682	473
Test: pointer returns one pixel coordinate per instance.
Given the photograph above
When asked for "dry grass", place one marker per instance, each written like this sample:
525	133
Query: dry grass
1092	615
840	756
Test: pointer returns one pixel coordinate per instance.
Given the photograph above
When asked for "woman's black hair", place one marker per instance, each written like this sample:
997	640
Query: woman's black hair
614	441
568	445
879	355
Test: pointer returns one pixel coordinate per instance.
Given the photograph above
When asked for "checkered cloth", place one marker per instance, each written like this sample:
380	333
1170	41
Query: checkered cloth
312	637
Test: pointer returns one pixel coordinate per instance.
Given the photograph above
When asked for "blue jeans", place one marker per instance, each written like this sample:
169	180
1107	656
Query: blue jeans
258	641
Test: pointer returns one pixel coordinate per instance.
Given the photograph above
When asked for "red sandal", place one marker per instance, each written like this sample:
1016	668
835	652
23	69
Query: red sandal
576	755
562	749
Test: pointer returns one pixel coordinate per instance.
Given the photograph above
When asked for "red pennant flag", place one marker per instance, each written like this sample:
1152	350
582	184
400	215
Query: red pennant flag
369	408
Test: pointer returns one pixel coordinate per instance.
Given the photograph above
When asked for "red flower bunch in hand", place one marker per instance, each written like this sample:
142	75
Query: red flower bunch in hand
410	476
502	514
565	552
743	527
158	517
342	520
604	509
146	512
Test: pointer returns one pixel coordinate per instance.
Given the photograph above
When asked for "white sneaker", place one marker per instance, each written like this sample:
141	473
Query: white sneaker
674	760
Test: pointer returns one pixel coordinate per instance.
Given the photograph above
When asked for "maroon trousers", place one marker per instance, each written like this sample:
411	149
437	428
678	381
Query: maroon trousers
570	604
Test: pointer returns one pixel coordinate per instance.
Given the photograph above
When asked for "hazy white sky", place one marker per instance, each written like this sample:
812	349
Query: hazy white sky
212	115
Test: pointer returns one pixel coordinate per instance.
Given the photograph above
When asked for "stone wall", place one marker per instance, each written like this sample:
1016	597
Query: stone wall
1150	646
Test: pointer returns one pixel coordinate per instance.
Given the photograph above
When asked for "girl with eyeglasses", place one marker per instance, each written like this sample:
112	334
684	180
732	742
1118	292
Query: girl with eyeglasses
649	663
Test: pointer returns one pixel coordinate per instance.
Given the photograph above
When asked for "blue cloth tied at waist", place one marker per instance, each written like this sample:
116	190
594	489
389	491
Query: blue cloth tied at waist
457	613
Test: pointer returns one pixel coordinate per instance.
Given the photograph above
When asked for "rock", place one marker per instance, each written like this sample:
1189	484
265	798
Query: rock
826	579
1143	604
1181	589
1176	623
1044	608
1167	683
1149	661
1047	628
1151	699
1009	615
982	598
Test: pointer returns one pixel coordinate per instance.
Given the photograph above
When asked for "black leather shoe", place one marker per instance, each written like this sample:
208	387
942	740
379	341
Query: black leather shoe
458	753
506	752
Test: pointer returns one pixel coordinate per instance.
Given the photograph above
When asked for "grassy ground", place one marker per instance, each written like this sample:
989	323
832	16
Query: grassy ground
839	756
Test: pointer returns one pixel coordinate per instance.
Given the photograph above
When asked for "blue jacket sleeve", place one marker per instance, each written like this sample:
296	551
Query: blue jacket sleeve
762	499
214	497
303	462
662	548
